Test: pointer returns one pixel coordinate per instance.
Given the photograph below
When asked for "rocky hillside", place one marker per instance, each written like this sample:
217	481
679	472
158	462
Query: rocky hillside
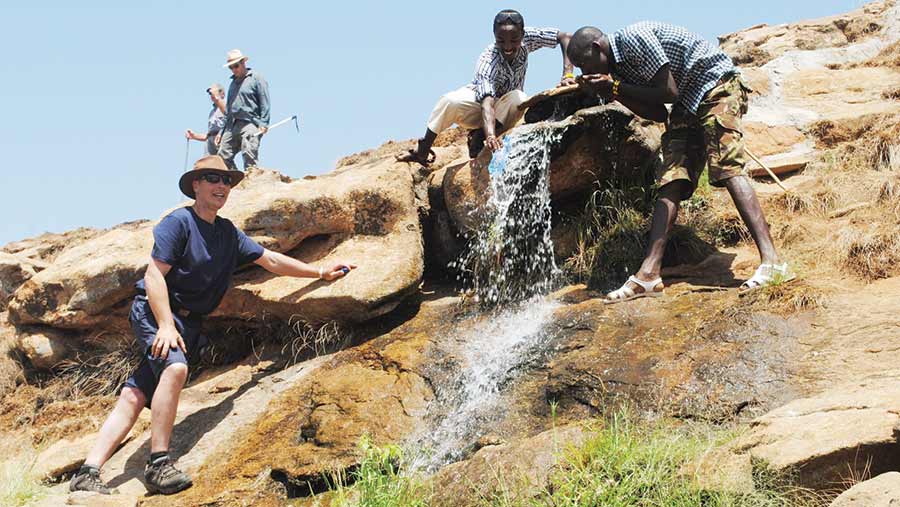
302	371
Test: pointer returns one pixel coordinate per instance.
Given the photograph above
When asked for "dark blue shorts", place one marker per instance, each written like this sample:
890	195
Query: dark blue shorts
147	374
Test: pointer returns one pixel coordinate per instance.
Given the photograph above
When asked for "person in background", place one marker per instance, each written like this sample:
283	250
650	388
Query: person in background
215	122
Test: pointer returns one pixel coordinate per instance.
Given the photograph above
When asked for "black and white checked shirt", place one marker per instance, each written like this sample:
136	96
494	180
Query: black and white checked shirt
495	77
641	49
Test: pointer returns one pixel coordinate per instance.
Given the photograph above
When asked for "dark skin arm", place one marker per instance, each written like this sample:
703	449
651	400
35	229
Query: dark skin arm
488	123
646	101
564	39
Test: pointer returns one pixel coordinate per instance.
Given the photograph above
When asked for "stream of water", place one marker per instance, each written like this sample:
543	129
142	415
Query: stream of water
511	268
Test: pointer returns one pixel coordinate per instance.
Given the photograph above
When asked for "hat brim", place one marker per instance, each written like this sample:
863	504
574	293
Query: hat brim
232	62
186	183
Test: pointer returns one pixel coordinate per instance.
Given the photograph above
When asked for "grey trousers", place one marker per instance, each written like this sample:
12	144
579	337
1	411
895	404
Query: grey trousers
240	138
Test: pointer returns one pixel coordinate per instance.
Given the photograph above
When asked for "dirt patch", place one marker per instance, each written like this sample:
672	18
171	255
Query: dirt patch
33	410
889	57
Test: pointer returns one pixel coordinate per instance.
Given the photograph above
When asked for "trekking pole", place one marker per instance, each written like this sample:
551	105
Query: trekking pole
187	153
764	166
295	118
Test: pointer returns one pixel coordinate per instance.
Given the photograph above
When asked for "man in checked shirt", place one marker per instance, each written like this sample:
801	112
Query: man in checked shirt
647	65
489	104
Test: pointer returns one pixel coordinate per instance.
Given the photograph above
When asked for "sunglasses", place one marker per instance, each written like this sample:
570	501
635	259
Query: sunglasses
215	178
234	65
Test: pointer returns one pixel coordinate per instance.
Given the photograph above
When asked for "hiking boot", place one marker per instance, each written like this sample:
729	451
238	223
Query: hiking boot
163	477
89	481
475	142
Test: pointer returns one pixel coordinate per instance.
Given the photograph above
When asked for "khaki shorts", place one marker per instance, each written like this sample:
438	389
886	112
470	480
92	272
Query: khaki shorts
711	138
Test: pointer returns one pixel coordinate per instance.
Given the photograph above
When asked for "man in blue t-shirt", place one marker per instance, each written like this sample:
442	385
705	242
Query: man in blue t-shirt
194	255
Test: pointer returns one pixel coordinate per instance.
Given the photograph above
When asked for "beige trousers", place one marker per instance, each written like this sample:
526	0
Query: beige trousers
459	107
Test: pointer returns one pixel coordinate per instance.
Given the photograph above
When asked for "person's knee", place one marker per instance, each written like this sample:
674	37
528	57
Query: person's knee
133	398
517	97
177	372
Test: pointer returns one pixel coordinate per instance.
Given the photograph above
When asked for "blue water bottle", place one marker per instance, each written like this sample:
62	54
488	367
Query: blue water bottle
498	160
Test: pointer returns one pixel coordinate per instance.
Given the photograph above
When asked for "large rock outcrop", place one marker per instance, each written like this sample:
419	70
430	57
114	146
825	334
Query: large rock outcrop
365	214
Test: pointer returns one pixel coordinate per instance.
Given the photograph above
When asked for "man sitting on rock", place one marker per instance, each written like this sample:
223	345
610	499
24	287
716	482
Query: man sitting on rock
657	63
489	105
194	255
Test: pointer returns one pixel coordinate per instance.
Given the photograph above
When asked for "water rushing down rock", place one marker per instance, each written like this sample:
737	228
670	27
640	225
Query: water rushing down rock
510	255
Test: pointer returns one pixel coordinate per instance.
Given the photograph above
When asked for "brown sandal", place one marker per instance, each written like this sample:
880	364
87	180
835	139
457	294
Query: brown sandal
413	156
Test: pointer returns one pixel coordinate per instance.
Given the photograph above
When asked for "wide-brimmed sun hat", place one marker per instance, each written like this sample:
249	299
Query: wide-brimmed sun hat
208	164
233	57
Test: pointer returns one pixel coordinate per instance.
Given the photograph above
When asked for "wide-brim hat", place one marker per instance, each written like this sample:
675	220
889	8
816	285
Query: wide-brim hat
233	57
209	164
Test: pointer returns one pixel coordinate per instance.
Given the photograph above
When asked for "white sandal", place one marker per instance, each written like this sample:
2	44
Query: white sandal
767	275
626	293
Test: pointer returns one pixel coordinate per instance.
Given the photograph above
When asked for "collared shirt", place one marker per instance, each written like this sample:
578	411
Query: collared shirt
216	121
641	49
495	77
248	100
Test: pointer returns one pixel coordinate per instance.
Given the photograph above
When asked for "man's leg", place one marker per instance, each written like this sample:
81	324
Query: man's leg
229	147
250	145
507	109
751	212
120	421
459	107
665	212
164	406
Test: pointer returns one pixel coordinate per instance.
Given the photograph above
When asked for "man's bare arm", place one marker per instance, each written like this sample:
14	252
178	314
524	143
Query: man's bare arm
167	336
281	264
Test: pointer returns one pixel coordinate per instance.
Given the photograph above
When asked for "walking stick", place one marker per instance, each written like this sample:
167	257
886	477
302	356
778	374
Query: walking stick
187	154
764	166
282	122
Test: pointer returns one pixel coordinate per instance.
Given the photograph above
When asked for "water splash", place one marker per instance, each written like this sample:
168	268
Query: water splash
510	257
490	356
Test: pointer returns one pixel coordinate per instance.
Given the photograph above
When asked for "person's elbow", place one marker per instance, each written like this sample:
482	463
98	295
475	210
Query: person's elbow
670	95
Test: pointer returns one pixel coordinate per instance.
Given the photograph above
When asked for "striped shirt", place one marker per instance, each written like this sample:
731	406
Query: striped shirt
495	77
641	49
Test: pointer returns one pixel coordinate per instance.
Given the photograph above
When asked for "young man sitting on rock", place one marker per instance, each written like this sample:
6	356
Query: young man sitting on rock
194	255
489	105
653	63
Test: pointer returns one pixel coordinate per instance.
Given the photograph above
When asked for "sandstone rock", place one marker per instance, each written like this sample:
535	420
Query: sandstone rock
44	347
14	271
84	282
766	140
366	215
881	491
48	246
10	369
829	437
522	469
843	93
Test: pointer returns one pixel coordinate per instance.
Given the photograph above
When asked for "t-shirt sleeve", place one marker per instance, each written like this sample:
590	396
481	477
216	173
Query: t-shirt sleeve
248	250
537	38
643	52
169	240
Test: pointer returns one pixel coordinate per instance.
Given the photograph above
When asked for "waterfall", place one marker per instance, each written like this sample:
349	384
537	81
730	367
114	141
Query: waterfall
511	268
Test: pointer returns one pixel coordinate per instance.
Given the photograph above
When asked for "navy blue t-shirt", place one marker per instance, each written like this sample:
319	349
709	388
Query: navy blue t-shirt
203	257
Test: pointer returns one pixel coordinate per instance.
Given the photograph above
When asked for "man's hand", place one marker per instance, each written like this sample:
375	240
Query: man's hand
493	143
567	80
598	84
190	134
166	338
218	140
263	130
336	271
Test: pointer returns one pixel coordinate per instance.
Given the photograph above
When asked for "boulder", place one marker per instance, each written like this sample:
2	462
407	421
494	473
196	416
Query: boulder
882	491
366	214
521	469
44	347
14	271
837	434
85	282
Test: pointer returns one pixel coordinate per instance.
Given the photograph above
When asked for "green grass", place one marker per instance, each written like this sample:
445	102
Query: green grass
379	481
632	463
626	461
19	485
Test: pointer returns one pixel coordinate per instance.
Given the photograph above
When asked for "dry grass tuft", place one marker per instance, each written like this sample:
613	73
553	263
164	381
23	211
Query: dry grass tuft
871	255
890	192
786	298
889	57
94	373
302	339
891	94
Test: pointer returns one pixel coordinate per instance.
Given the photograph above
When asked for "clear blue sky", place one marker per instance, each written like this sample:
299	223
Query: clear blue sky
97	95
